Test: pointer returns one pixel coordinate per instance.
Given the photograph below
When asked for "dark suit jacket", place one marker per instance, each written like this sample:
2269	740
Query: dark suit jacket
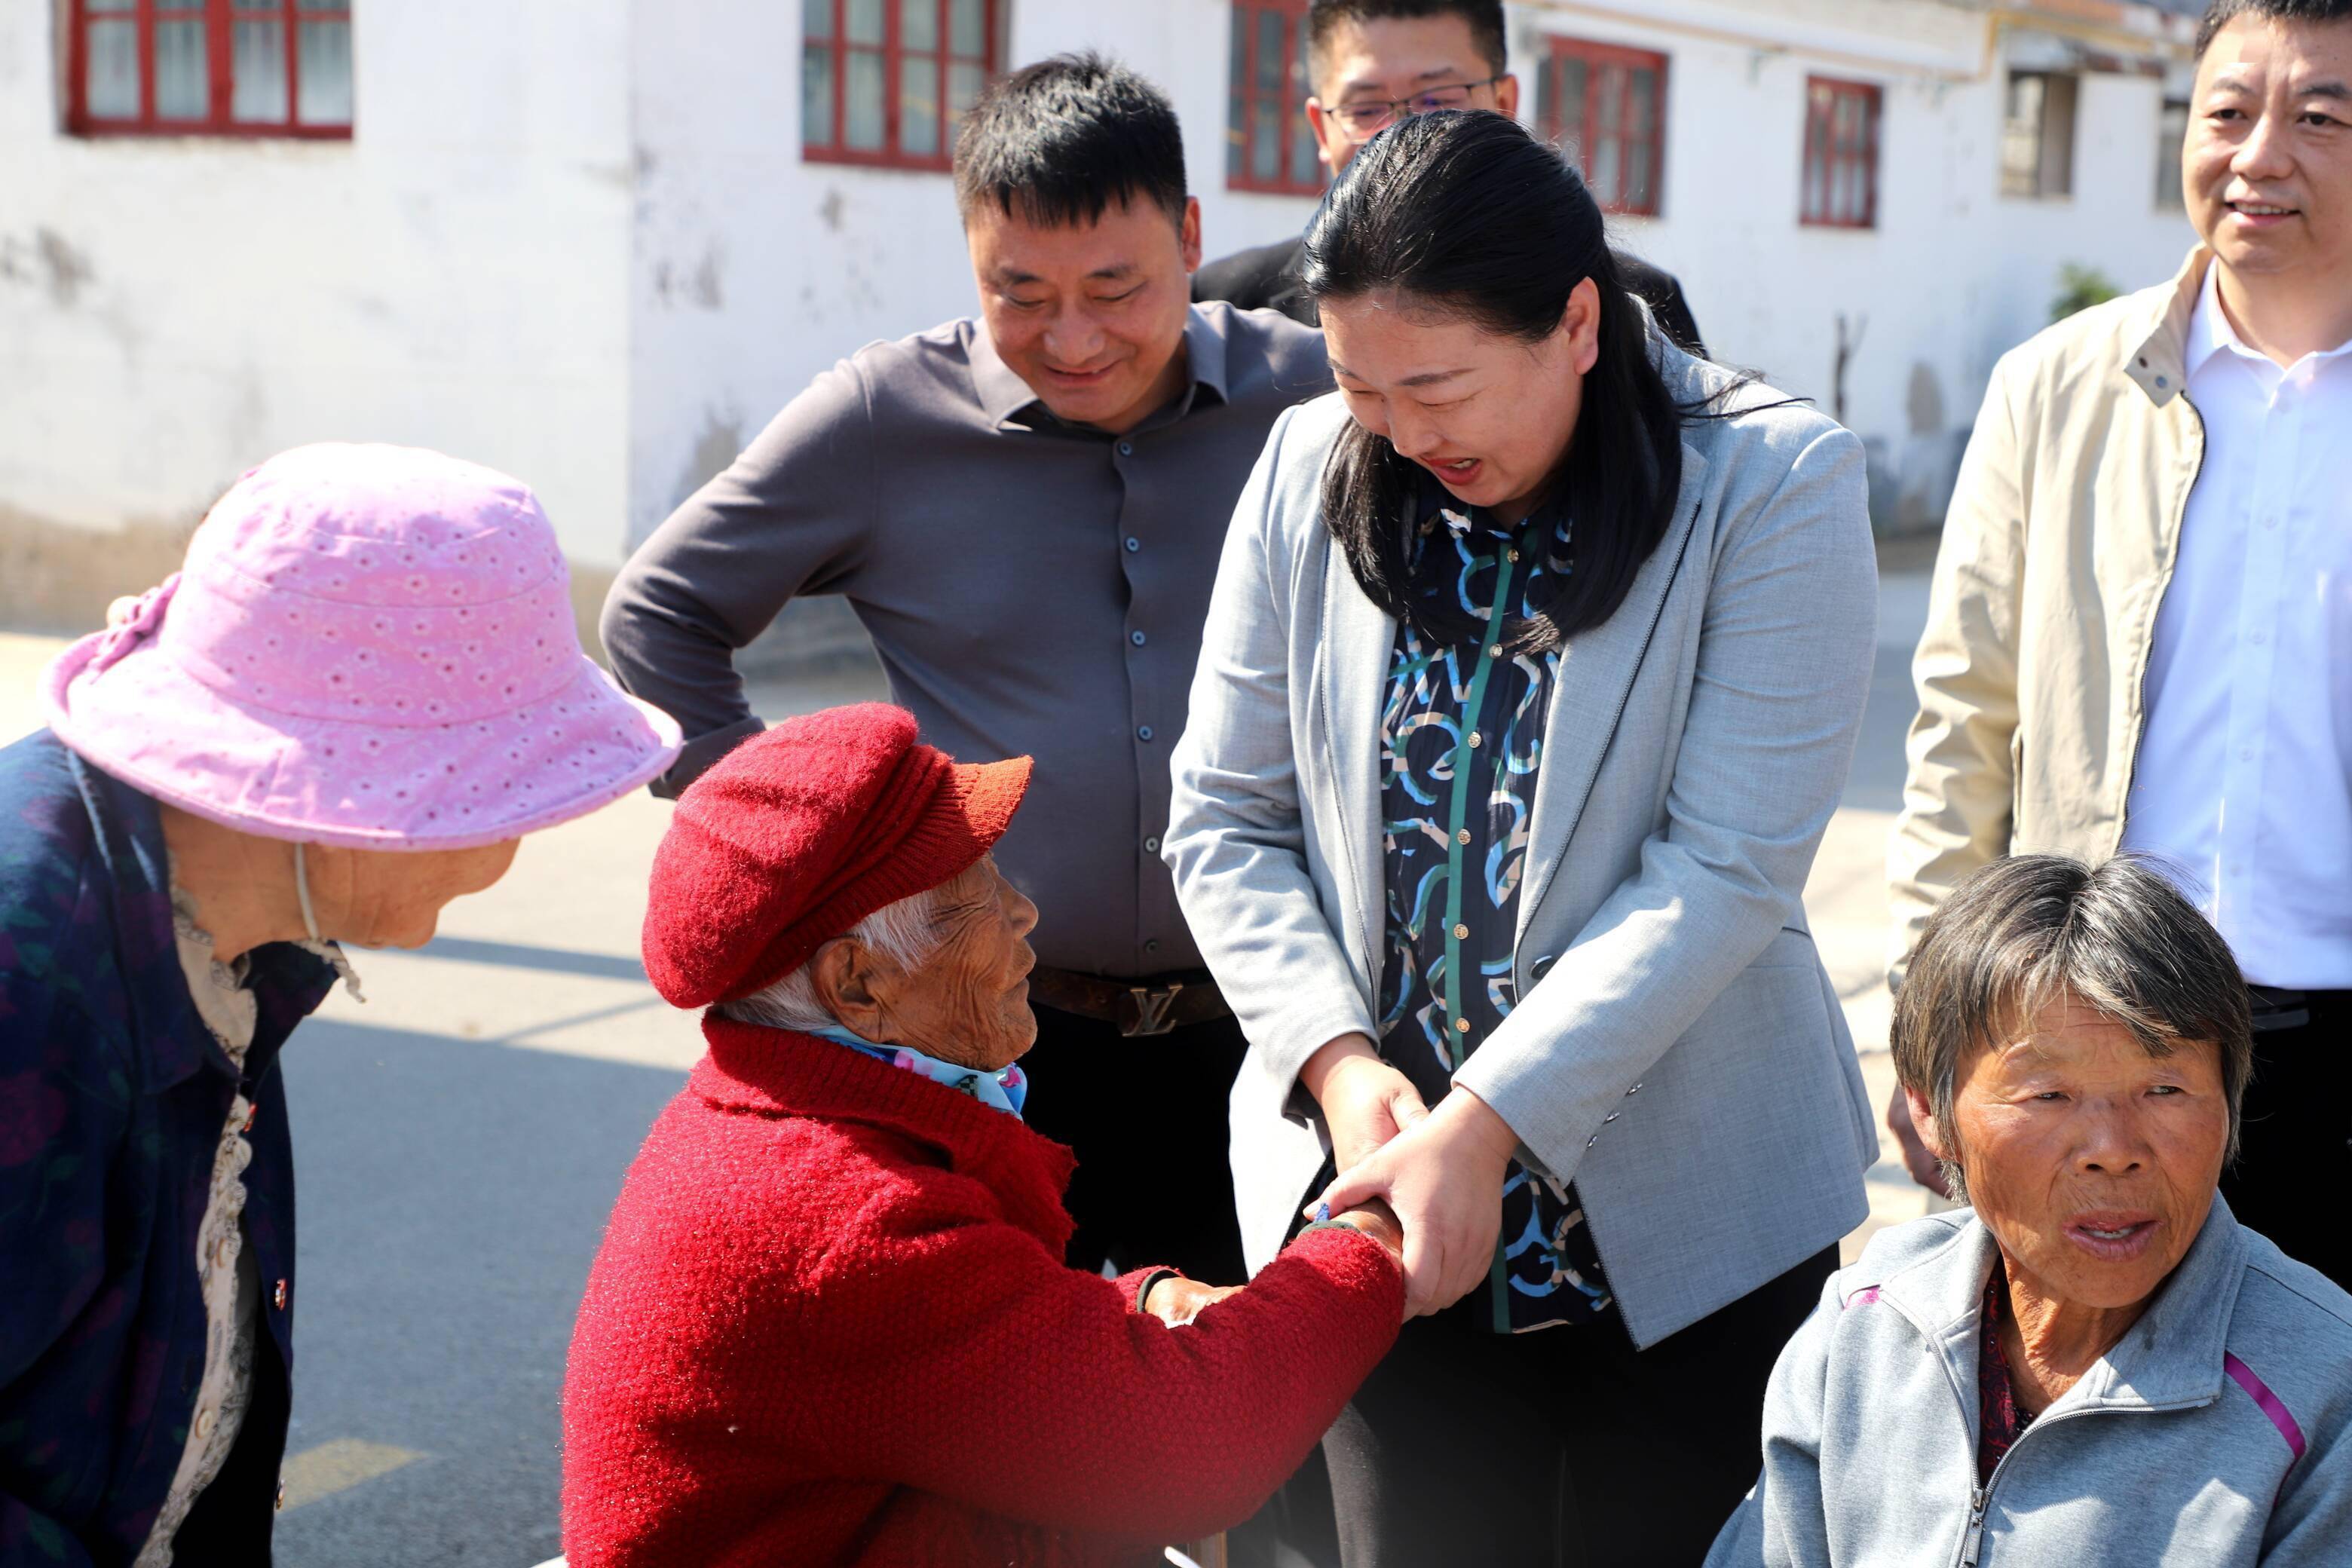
1266	278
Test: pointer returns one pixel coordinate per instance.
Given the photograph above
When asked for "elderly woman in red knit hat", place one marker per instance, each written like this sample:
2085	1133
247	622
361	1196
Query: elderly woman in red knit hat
830	1322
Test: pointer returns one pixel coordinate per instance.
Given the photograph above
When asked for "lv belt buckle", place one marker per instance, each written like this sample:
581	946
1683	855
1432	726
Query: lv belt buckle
1150	1005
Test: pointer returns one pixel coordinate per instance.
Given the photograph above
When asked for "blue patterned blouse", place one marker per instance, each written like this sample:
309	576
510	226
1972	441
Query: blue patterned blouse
1462	732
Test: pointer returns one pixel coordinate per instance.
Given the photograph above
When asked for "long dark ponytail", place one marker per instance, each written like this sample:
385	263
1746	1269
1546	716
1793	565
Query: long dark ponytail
1464	211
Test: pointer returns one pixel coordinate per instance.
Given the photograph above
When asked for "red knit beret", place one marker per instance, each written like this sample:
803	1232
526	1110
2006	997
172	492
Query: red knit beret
803	831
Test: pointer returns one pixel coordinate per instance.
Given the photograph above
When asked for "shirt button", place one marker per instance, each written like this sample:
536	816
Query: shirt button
2245	753
1460	1026
2259	639
1474	737
1151	845
278	1297
1494	651
1135	637
204	1425
1463	836
1133	544
1514	554
1152	944
1127	449
1462	934
1143	732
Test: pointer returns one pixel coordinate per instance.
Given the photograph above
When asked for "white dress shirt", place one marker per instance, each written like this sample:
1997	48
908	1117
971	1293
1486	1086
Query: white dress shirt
2244	782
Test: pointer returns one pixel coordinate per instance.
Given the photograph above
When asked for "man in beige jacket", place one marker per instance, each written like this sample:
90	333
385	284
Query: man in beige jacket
2140	636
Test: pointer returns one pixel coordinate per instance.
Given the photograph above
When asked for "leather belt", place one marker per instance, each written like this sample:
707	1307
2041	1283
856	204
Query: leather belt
1153	1004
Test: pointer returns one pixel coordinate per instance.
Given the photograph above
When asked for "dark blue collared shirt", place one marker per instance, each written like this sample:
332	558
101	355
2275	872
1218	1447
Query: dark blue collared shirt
112	1098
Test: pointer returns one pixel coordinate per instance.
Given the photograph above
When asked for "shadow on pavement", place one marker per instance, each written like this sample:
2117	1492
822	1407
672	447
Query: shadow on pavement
452	1195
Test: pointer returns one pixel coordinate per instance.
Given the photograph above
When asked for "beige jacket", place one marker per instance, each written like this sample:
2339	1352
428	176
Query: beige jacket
2057	550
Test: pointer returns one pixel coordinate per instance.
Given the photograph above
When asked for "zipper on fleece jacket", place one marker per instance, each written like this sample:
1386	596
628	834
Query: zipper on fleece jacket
1971	1547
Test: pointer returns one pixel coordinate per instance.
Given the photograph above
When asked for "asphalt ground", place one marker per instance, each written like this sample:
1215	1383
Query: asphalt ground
460	1138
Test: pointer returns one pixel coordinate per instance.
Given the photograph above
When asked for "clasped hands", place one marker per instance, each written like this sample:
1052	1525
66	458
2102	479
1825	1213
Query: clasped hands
1441	1170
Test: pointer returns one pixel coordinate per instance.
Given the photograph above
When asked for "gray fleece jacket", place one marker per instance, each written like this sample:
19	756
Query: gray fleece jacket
2214	1434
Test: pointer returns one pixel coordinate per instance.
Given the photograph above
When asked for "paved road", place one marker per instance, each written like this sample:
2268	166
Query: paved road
461	1134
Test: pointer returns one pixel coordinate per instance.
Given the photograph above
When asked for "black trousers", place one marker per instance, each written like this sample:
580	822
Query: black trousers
1561	1449
1147	1116
2295	1164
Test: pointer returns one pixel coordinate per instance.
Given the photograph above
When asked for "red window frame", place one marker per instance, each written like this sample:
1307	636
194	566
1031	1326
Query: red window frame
1608	65
1824	194
219	18
893	52
1247	97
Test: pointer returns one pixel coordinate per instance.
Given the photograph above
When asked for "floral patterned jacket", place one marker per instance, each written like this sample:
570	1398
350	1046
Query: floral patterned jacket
112	1094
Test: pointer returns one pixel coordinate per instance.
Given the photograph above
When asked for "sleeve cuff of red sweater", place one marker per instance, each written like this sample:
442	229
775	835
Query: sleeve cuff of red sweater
1137	1282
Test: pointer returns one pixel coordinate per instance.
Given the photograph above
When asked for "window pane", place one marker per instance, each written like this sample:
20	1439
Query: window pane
967	28
863	130
1573	73
816	20
1236	99
182	87
918	26
1303	171
2171	131
1637	176
322	5
259	6
2020	137
918	105
111	86
1816	206
816	96
865	25
1272	60
1611	118
1644	86
1265	144
109	5
259	57
964	82
1602	169
322	80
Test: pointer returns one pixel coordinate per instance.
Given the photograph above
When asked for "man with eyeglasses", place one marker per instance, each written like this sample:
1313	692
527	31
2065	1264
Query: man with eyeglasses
1371	62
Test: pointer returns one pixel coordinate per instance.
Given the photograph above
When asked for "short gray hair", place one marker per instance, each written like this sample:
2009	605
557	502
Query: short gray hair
902	930
2024	931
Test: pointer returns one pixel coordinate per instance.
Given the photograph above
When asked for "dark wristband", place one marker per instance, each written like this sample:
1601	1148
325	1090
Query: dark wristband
1143	1292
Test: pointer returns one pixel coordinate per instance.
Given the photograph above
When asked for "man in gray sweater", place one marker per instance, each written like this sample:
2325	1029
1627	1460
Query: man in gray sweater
1026	511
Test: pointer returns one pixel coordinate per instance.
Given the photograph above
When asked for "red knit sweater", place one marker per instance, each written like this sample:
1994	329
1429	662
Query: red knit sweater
829	1324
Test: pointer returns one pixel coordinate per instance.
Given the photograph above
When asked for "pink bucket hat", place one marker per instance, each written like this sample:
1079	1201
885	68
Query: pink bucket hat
368	645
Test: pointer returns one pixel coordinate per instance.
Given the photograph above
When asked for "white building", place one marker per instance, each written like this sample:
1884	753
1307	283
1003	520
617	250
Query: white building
591	242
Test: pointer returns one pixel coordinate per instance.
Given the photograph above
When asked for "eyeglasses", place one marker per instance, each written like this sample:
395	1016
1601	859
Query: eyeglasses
1362	122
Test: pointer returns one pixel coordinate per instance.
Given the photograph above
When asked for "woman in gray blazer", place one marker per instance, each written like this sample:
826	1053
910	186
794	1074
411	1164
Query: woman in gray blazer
1529	682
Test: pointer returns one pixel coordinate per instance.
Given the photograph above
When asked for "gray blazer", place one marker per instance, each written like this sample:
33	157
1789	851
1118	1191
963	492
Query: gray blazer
1677	1050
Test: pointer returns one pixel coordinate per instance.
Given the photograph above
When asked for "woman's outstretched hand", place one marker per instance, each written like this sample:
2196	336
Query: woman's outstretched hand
1444	1176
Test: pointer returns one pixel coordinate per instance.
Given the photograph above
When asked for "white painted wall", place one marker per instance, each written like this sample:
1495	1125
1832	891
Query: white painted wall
173	310
575	239
1953	275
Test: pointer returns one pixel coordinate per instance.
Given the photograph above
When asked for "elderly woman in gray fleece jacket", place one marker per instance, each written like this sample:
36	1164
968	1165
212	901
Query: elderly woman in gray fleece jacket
2096	1366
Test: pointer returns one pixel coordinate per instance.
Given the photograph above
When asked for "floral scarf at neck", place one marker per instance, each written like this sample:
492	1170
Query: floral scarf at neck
1007	1088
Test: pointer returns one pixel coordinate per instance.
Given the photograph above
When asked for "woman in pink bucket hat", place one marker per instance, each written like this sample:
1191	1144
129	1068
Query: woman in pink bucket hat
357	696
